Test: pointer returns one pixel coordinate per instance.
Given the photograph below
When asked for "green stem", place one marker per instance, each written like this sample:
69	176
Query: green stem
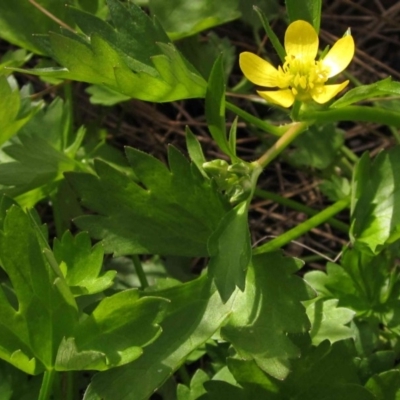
47	385
292	132
265	126
333	222
349	154
354	113
303	228
68	385
140	272
68	131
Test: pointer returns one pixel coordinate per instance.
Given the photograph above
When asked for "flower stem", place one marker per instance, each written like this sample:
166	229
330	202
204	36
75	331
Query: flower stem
293	131
47	385
304	227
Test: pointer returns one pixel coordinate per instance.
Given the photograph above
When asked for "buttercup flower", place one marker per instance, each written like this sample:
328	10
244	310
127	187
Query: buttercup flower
301	77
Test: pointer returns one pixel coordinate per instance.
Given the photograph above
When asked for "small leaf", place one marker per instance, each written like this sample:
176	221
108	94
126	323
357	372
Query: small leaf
195	151
230	251
196	387
384	87
13	114
82	264
215	106
328	321
105	96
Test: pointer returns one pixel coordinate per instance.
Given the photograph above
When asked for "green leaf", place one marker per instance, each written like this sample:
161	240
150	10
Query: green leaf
11	59
195	313
324	372
170	211
81	264
14	111
307	10
376	214
113	334
135	59
365	283
47	312
385	386
270	307
230	251
192	16
215	107
196	388
317	147
203	53
36	165
328	321
195	151
280	50
384	87
39	155
105	96
41	327
336	188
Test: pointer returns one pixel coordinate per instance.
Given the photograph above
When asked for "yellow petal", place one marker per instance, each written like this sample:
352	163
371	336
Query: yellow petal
339	56
284	97
329	92
257	70
301	41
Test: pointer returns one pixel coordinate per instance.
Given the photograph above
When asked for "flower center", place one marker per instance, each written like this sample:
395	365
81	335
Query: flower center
303	77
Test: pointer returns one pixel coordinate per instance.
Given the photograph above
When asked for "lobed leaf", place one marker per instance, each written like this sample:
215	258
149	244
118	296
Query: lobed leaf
270	307
45	310
81	264
15	111
325	372
113	334
169	211
134	57
195	313
376	206
41	327
328	322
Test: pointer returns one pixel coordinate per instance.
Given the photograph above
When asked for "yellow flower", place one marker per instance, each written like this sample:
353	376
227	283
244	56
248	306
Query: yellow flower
301	77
